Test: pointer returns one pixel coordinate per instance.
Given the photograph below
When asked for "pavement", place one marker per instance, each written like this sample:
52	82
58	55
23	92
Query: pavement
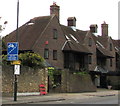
57	96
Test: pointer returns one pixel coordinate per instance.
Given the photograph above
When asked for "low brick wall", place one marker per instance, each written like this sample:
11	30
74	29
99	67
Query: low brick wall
76	83
28	80
114	81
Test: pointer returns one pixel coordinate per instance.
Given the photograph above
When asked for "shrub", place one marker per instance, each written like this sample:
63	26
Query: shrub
33	60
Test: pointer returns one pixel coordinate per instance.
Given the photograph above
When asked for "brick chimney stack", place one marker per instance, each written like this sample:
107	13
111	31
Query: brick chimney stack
71	21
104	28
54	9
93	28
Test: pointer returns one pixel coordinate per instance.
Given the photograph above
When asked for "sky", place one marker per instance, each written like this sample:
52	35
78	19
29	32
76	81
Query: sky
87	12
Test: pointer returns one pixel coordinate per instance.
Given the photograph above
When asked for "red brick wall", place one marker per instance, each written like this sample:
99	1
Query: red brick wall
53	44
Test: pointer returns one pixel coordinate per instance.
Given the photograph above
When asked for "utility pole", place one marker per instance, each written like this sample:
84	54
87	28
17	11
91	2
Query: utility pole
15	76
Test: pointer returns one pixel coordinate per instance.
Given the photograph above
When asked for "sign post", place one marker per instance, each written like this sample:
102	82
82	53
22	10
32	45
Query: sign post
12	54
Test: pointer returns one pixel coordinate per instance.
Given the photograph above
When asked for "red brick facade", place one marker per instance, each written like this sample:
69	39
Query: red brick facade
38	35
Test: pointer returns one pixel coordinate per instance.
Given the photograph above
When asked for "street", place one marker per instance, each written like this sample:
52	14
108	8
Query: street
77	100
102	96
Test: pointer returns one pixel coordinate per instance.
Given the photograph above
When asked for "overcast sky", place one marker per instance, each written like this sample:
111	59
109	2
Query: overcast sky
86	12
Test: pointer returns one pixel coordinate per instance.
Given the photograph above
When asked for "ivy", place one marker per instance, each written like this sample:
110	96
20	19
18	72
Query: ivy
82	72
51	72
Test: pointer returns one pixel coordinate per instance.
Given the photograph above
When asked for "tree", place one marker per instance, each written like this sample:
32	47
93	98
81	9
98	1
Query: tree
3	45
2	27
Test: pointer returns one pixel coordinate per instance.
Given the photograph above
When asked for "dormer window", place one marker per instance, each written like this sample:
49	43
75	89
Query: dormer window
110	46
90	42
55	34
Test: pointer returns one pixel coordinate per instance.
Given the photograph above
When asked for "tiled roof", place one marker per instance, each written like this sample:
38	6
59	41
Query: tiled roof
29	32
80	35
104	52
76	47
75	40
116	43
103	40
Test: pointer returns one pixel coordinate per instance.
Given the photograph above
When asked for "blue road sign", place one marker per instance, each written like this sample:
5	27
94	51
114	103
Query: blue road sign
12	51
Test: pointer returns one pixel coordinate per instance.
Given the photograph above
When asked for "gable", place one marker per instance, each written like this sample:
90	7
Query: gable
29	32
47	35
89	39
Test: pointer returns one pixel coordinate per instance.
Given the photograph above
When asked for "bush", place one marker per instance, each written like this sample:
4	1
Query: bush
4	60
32	60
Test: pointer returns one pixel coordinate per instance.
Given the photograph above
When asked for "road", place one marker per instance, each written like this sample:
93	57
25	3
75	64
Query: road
92	100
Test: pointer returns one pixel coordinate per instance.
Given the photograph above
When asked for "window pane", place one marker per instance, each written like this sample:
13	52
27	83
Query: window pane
55	34
46	53
110	47
111	62
90	59
66	60
90	42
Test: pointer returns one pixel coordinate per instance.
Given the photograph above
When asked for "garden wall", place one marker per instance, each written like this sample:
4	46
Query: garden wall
114	82
76	83
28	80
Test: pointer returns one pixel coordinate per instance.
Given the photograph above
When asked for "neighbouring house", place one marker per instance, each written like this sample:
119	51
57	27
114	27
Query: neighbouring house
66	47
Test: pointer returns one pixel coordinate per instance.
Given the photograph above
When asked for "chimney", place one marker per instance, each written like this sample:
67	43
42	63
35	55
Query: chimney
104	28
54	9
93	28
71	21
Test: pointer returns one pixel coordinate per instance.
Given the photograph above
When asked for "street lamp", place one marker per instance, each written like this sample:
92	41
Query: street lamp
17	20
15	76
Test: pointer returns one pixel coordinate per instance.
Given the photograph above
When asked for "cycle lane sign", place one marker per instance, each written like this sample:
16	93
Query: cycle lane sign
12	51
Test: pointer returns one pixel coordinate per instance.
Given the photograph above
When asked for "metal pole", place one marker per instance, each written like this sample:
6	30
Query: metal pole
15	88
17	20
15	76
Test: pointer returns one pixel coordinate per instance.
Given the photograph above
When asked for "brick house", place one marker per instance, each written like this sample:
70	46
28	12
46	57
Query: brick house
66	47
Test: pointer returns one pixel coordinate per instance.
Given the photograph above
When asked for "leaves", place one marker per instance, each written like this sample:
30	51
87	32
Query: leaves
33	60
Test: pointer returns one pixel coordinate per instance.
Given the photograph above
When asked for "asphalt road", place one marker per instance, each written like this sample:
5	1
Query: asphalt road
93	100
